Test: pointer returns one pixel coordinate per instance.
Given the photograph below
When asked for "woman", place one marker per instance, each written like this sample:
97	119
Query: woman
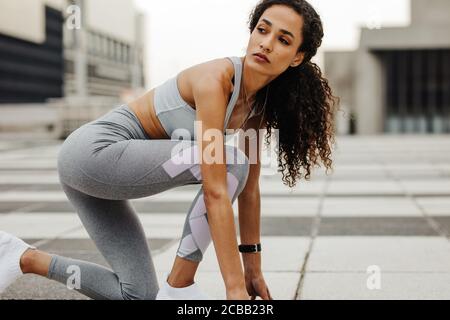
129	153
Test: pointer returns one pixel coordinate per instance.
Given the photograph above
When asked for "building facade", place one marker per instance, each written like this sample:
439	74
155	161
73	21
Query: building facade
31	52
398	81
42	56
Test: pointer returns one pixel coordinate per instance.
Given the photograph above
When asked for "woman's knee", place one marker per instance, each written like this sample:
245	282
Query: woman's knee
139	291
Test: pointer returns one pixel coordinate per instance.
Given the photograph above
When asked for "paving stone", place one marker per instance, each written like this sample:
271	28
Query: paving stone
399	254
393	286
375	226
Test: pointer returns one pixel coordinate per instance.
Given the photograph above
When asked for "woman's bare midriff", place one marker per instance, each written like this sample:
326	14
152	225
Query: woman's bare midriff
144	108
145	111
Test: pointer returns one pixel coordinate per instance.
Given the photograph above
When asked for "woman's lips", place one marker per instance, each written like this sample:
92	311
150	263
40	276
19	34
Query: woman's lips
261	58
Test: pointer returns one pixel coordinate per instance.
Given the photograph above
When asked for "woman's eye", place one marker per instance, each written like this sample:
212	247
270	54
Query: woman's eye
282	40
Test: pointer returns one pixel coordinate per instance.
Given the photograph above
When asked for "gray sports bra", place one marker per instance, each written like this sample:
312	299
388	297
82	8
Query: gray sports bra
176	114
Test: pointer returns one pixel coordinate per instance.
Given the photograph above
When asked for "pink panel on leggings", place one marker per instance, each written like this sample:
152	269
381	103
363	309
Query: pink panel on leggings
197	220
232	184
196	172
182	161
187	246
200	232
199	206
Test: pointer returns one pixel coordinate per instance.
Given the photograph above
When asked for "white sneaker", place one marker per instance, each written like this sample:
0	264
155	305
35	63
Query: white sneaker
11	250
192	292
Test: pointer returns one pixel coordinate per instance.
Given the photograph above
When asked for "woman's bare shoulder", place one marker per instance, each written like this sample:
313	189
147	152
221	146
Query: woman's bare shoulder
221	69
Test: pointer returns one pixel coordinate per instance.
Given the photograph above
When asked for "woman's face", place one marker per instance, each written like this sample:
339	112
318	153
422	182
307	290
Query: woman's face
278	35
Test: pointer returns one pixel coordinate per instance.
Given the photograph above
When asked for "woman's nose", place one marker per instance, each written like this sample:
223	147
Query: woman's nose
266	45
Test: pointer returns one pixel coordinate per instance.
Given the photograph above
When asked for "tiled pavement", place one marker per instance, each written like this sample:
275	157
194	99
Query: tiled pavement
386	205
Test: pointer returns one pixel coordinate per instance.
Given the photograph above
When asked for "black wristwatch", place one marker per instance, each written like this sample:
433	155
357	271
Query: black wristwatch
250	247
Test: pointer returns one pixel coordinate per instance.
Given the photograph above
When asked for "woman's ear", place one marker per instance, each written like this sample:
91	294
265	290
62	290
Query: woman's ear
298	59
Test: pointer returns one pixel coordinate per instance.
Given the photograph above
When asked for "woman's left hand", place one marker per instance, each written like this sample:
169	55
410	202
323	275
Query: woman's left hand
256	286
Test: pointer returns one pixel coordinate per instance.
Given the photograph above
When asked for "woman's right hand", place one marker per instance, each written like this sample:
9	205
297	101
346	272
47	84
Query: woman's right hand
238	294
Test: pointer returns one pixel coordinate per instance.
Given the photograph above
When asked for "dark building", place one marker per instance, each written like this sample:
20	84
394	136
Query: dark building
42	58
398	81
32	72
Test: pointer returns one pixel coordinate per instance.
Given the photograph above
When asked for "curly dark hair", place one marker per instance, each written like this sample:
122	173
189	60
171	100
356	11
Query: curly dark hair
300	103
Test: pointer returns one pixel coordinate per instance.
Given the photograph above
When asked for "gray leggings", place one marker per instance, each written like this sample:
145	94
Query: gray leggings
102	165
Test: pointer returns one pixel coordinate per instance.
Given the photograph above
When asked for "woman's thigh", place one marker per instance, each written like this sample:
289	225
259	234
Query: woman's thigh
113	158
126	169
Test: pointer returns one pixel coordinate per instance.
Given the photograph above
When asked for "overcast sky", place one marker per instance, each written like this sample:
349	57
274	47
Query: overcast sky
181	33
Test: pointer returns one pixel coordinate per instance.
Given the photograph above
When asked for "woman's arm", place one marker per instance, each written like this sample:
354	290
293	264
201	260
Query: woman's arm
249	201
249	228
250	216
211	102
